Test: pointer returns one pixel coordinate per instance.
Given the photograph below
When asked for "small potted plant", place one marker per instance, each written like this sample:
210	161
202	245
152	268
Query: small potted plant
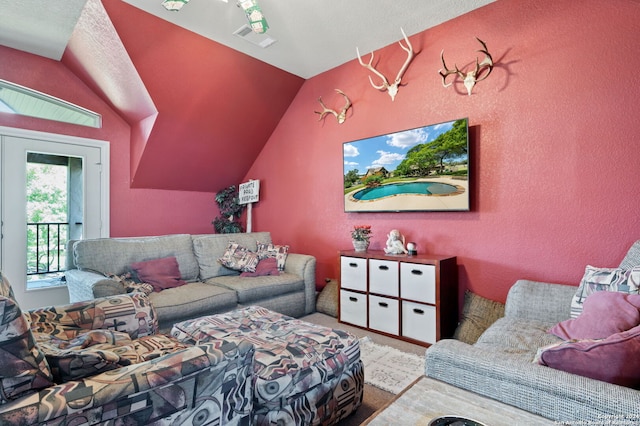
360	237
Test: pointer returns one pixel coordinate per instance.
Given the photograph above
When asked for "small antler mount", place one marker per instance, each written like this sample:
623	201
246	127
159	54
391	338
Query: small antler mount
479	73
341	116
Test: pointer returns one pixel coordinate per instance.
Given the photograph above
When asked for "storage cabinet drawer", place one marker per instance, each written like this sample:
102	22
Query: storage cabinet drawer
383	277
353	308
418	282
384	314
353	273
419	321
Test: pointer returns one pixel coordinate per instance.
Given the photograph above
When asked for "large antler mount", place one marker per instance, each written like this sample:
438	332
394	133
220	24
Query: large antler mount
479	73
391	88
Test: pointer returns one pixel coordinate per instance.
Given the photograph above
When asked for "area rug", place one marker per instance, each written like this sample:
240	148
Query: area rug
388	368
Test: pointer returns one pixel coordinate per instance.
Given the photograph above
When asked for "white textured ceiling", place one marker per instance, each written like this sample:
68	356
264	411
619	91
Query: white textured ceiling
42	27
312	36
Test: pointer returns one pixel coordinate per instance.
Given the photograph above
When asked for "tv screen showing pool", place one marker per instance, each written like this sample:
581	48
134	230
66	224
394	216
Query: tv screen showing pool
421	169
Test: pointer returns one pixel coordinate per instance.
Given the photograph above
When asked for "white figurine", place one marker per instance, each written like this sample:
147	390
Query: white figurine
395	243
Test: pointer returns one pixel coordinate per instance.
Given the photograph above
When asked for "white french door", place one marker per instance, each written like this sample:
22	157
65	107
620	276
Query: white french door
90	195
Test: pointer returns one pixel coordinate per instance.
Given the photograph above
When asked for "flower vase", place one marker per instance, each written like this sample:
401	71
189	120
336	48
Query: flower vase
360	245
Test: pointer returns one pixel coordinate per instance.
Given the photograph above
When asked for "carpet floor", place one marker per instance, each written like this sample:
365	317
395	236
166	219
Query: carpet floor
374	398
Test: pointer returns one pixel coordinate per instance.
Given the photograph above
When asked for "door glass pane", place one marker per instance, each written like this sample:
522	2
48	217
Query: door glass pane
49	180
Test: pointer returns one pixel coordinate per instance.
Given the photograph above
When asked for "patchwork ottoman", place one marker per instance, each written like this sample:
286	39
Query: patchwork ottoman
304	374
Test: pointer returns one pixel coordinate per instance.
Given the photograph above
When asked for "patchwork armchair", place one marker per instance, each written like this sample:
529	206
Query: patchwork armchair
102	362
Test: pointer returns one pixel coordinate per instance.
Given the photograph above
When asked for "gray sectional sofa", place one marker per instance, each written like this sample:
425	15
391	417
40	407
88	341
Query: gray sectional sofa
500	365
211	288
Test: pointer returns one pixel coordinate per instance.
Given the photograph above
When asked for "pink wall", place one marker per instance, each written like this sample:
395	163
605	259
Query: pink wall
133	211
553	144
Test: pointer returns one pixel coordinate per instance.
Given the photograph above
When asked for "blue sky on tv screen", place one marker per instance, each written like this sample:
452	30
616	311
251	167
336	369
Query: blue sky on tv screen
389	150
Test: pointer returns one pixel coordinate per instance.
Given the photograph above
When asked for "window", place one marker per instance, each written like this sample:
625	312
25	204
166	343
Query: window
21	100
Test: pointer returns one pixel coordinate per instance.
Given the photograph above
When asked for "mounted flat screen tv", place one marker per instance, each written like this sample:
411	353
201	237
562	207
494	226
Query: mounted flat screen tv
421	169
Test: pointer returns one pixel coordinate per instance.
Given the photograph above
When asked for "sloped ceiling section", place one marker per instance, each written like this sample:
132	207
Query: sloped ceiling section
216	107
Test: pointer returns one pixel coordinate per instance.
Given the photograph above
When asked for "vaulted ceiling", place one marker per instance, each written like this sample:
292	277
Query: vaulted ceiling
201	101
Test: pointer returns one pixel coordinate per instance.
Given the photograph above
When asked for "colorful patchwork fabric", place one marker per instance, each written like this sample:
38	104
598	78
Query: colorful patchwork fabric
266	250
5	287
304	373
129	313
88	354
206	384
97	351
23	366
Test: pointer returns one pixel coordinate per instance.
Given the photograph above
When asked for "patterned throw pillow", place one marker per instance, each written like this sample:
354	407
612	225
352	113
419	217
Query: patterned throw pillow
239	258
605	279
271	250
23	366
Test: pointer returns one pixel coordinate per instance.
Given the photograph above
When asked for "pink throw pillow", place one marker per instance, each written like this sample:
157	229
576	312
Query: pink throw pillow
268	266
614	359
604	313
160	273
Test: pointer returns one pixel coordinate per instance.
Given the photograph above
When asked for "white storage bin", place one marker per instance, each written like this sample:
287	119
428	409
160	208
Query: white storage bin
418	282
419	321
353	308
383	277
384	314
353	273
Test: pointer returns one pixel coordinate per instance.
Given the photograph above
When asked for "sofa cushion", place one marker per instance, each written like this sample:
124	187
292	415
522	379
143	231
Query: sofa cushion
209	248
279	252
192	300
614	359
516	336
87	354
239	258
250	290
130	313
23	366
161	273
605	279
604	313
96	351
264	267
115	255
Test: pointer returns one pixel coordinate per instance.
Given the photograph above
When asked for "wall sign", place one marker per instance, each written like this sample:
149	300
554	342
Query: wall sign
249	192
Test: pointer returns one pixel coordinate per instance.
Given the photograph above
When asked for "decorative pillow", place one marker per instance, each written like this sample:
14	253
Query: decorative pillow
478	314
130	286
605	279
87	354
614	359
604	313
239	258
271	250
23	366
327	302
161	273
268	266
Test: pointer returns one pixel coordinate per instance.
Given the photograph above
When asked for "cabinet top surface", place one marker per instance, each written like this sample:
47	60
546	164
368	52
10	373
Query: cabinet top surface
379	254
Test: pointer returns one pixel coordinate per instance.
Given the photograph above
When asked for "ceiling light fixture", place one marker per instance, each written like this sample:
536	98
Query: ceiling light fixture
174	5
257	20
